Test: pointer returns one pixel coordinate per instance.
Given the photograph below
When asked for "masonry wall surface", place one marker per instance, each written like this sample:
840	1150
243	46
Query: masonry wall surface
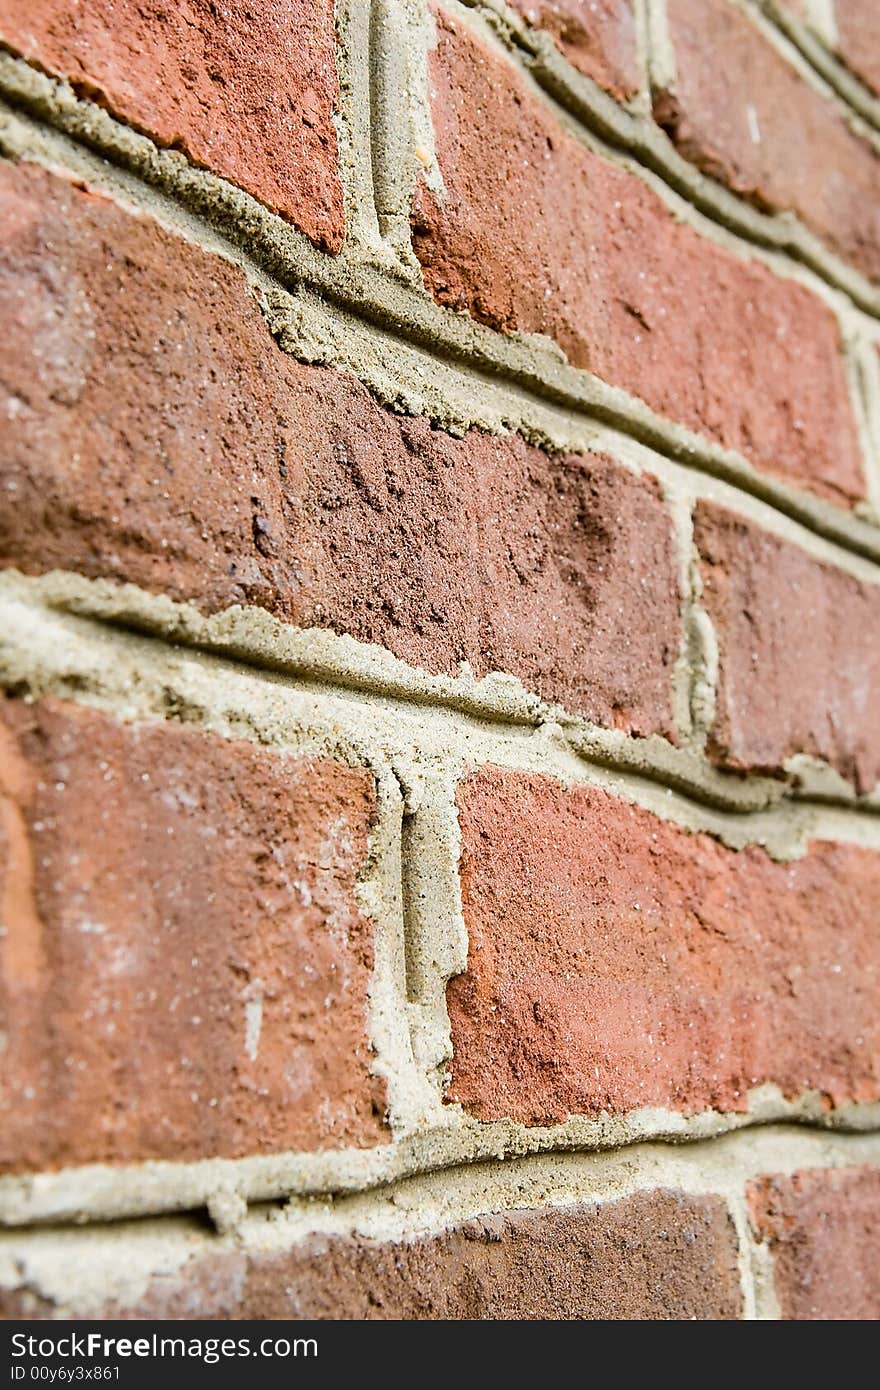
440	659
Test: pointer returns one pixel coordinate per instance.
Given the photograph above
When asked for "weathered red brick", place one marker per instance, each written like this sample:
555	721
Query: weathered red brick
823	1227
752	122
858	38
184	967
535	232
799	666
246	90
657	1254
616	961
156	433
597	36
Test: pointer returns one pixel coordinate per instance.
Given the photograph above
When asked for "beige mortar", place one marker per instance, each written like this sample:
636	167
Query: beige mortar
417	761
814	41
118	1261
377	297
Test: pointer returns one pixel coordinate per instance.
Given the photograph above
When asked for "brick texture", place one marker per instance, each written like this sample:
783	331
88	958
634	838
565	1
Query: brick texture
823	1228
597	36
774	698
140	374
631	293
657	1255
755	124
245	90
858	38
616	961
745	116
184	964
222	978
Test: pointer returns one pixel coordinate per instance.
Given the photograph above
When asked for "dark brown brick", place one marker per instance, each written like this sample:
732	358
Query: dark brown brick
747	118
139	376
616	961
799	663
184	966
597	36
537	233
245	90
823	1227
659	1255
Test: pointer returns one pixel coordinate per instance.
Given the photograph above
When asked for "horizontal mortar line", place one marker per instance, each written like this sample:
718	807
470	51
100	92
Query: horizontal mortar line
374	297
408	1206
768	19
309	678
594	399
646	144
713	797
503	406
601	113
849	87
162	623
115	1263
490	1139
673	177
153	1187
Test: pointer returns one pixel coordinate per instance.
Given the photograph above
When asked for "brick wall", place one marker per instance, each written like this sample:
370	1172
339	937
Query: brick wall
440	659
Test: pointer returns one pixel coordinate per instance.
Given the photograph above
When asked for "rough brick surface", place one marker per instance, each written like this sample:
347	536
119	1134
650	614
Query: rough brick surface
597	36
615	961
858	38
823	1228
747	117
799	668
653	1255
714	342
184	964
141	374
245	90
200	936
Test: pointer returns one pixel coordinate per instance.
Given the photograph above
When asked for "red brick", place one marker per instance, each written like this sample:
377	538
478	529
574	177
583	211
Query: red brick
184	966
858	38
140	375
616	961
535	232
806	158
799	671
823	1228
657	1254
245	90
597	36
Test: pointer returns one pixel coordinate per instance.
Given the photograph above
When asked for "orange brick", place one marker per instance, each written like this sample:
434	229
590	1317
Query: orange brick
616	961
184	967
